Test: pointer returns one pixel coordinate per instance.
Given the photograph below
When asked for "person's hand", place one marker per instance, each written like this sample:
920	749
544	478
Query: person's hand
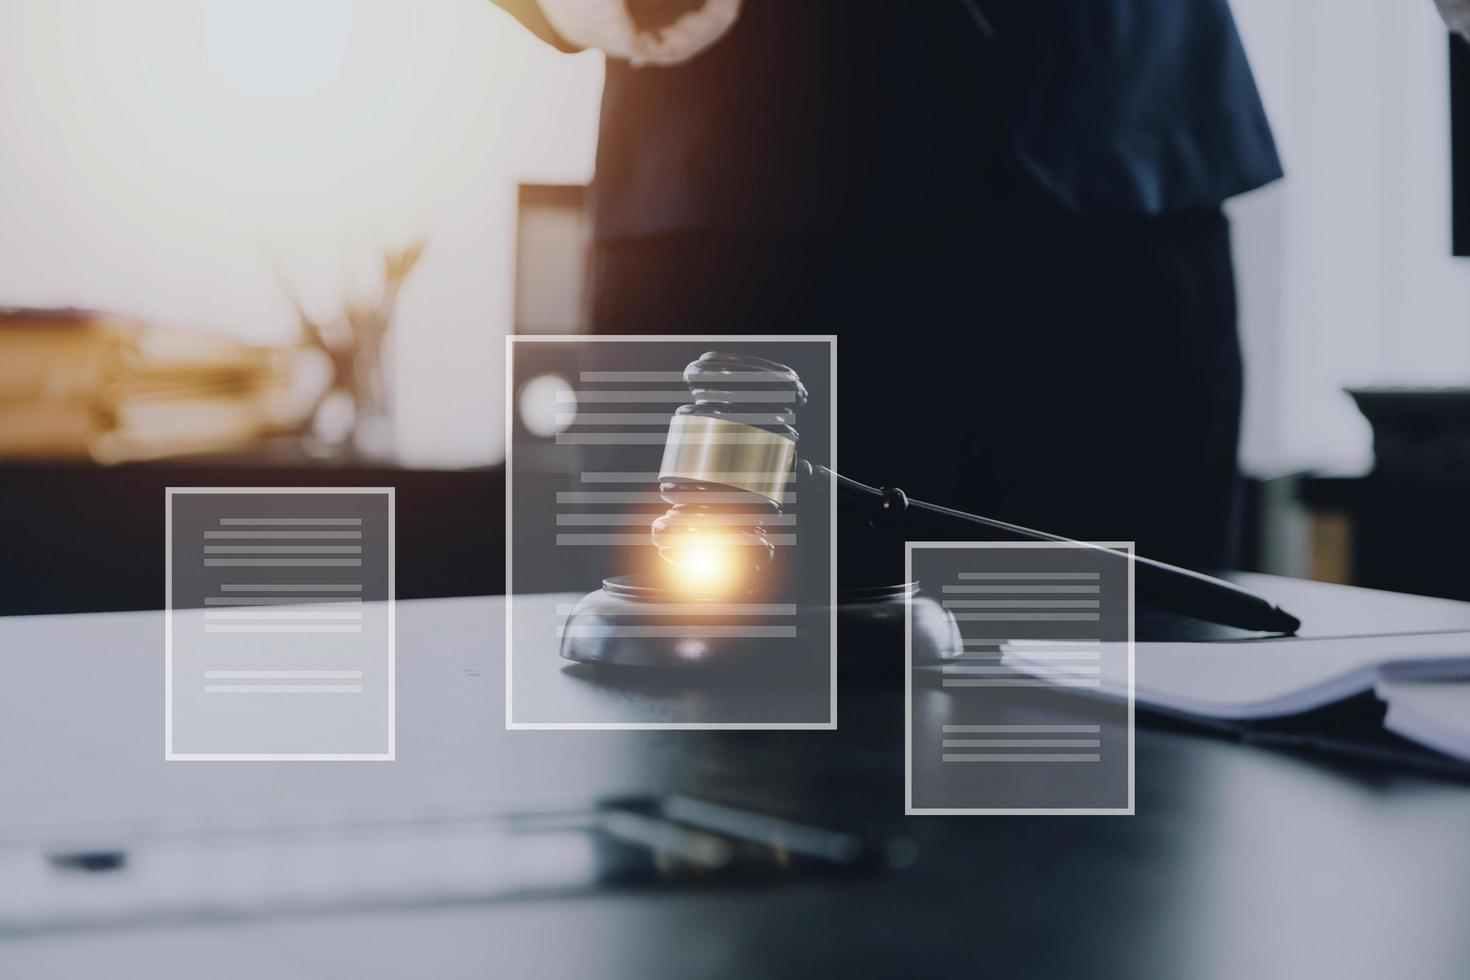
1456	14
654	16
644	32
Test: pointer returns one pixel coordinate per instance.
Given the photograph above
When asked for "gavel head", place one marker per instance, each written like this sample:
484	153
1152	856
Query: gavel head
728	466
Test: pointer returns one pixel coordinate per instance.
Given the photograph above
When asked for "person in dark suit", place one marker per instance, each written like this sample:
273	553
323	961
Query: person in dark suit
1009	212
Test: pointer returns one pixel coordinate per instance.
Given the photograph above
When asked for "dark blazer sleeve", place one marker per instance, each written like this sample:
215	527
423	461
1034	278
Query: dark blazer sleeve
529	13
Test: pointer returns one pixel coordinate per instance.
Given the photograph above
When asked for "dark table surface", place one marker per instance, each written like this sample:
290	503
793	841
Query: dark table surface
85	538
1242	860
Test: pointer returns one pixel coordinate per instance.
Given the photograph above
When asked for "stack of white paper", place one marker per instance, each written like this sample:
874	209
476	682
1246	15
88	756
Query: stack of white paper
1261	679
1432	713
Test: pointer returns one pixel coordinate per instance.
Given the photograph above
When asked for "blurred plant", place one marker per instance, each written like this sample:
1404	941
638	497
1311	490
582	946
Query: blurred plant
354	406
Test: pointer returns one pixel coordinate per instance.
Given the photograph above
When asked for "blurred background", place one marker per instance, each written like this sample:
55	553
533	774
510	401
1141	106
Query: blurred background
281	241
174	159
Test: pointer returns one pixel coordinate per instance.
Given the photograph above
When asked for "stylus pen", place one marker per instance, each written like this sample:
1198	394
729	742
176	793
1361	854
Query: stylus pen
987	29
1165	586
232	867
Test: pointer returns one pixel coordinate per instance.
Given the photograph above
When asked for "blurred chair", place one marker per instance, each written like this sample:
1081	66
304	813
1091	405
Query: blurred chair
553	238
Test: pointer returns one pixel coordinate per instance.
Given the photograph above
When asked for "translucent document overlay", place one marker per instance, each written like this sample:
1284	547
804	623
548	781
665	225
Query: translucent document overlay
279	623
703	642
1012	720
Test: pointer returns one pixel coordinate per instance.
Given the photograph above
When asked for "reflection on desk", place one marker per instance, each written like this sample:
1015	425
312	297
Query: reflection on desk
1241	860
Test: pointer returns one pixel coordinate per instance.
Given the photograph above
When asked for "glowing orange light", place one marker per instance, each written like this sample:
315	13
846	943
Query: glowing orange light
705	568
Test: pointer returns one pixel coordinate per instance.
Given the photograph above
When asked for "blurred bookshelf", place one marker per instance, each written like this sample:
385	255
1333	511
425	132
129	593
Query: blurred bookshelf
100	413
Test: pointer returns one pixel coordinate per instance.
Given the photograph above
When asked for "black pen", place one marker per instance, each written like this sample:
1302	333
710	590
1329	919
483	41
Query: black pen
1160	584
1165	586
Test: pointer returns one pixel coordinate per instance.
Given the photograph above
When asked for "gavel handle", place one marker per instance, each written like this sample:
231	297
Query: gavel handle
1165	586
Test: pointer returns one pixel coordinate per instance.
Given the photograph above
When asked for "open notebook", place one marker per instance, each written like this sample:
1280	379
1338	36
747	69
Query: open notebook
1432	713
1424	678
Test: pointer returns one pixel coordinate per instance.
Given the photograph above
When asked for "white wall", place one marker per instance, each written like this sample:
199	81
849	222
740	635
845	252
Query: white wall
1345	267
157	153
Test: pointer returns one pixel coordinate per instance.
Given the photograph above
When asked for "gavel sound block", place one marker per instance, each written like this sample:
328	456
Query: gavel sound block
729	594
